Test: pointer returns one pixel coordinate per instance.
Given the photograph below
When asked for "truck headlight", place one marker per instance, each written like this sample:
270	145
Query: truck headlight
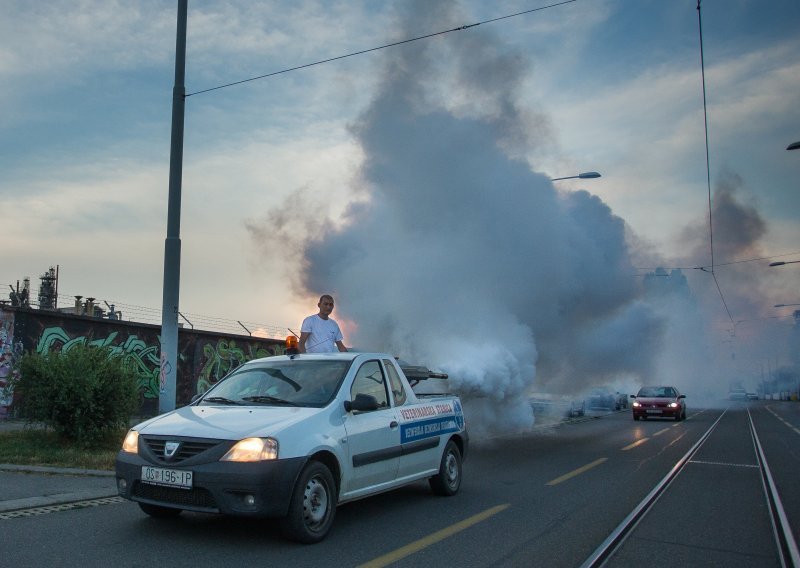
252	450
131	442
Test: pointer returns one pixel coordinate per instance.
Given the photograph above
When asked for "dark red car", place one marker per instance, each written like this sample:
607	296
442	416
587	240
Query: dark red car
659	402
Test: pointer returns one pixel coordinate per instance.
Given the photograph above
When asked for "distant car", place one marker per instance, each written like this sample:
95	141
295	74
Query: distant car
557	406
601	397
576	408
622	400
752	396
659	402
737	395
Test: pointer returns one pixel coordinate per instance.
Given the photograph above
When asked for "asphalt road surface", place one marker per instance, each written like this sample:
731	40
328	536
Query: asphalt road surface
551	497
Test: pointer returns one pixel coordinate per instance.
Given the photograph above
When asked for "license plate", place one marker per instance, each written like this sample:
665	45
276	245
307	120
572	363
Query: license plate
651	411
169	477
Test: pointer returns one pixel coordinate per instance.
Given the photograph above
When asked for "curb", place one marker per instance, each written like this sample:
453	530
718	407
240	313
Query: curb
58	499
55	470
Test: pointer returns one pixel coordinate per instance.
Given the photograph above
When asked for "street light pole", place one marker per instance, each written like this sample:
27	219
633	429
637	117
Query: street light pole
172	244
584	175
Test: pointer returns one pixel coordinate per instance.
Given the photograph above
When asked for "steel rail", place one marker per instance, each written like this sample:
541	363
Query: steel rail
784	538
620	534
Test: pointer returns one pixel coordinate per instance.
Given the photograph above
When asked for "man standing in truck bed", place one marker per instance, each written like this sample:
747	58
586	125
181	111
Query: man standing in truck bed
320	333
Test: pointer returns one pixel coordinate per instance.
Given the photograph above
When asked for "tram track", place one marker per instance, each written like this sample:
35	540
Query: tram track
621	532
784	539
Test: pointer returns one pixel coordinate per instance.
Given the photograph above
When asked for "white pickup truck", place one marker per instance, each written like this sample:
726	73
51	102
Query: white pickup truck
292	437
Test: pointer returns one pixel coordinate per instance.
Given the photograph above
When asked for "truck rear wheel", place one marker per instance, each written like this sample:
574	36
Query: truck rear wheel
313	505
448	481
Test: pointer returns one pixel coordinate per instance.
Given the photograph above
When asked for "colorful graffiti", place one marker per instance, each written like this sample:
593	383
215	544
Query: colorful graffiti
222	358
10	352
137	355
203	357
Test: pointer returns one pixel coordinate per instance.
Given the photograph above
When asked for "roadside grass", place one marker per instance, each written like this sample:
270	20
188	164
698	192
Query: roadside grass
43	447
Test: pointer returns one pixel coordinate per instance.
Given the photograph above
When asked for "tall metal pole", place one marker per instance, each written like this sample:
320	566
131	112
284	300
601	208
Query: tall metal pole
172	244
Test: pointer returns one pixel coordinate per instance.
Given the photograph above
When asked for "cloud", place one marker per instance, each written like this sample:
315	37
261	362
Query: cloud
62	39
655	119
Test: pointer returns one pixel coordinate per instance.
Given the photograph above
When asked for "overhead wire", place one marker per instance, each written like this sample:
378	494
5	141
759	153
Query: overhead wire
708	168
718	264
393	44
705	124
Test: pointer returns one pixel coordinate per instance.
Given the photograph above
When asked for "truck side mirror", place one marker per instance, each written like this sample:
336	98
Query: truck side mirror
361	403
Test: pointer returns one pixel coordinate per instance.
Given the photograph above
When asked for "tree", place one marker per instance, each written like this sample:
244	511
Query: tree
84	393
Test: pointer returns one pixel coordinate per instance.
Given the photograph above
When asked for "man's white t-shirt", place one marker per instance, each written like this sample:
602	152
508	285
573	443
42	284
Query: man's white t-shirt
324	334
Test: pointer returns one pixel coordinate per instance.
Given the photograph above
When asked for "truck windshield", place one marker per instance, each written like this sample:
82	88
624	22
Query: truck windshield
280	383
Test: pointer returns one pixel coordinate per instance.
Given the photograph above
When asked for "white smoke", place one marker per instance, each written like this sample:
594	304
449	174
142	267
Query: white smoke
458	255
722	330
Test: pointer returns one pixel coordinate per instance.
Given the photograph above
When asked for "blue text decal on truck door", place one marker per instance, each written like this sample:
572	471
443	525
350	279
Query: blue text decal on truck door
414	431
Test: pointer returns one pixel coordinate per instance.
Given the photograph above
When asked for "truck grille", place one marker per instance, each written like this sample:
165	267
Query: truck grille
187	449
195	497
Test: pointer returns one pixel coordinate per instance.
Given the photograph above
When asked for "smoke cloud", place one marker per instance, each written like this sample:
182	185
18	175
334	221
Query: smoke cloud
738	227
455	253
723	334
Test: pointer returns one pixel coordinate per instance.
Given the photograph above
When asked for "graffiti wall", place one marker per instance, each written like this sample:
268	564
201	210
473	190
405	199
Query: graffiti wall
203	357
9	353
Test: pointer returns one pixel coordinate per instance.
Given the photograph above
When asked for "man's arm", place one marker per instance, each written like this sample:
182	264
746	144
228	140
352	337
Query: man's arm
301	346
341	346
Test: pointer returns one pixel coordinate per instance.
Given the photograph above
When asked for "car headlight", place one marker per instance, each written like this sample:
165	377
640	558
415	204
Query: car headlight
637	404
252	450
131	442
673	405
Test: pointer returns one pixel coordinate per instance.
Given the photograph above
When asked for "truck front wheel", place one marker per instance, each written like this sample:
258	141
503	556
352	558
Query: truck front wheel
448	481
313	505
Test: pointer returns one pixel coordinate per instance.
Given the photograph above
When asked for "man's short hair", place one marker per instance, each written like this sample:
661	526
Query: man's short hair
325	297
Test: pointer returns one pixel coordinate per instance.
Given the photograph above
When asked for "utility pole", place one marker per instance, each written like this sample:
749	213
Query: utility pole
172	244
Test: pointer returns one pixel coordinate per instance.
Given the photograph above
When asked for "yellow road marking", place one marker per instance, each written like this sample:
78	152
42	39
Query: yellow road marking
416	546
636	443
575	472
661	432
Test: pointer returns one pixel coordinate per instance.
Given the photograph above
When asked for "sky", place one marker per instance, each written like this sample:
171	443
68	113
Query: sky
413	182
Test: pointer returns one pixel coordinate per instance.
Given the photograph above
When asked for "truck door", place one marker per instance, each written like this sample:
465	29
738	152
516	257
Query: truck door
373	437
416	456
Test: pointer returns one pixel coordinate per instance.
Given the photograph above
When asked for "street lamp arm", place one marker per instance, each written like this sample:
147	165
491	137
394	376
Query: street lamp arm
782	262
584	175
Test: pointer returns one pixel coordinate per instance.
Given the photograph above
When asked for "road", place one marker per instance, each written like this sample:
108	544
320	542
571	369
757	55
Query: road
551	497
